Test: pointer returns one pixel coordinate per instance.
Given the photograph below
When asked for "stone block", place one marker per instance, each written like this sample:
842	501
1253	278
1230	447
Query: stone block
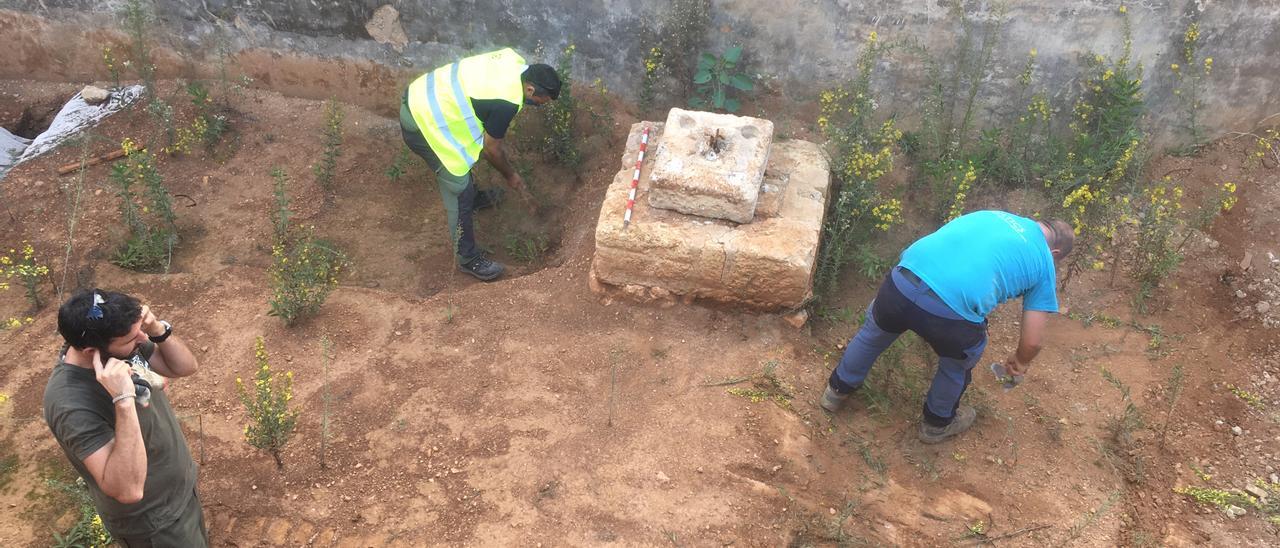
384	27
710	165
94	95
767	263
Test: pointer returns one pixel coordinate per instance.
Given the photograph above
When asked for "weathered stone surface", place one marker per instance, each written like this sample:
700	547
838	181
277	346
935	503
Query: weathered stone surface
767	263
798	318
384	27
710	164
94	95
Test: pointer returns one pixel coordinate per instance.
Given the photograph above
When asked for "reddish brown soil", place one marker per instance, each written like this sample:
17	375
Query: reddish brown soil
530	412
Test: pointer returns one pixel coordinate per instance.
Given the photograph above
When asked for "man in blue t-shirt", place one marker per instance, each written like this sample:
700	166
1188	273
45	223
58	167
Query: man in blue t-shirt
943	289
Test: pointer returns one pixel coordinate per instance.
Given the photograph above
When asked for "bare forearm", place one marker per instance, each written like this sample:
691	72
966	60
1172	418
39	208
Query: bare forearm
1027	352
1034	324
125	472
177	357
497	157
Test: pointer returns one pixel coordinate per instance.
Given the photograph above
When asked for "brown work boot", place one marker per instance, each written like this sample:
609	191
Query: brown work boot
964	418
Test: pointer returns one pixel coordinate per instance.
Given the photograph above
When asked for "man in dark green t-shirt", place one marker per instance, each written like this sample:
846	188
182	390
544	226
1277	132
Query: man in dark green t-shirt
105	403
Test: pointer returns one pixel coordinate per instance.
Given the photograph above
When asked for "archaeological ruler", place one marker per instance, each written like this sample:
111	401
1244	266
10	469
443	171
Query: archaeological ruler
635	178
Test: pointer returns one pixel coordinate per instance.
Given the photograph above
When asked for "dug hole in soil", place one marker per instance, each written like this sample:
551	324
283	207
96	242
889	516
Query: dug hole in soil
531	411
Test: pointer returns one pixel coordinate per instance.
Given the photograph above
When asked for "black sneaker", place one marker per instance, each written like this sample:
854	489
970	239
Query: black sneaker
482	268
486	199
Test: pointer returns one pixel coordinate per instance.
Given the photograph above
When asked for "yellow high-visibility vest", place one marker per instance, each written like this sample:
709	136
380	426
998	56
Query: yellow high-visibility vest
440	102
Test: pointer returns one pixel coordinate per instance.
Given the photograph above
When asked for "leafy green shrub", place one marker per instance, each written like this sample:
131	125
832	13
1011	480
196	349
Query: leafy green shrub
113	65
1093	180
861	153
716	75
332	143
1130	419
209	124
949	160
304	270
271	420
526	246
147	212
88	530
27	269
1163	229
560	142
1026	150
399	165
138	20
1190	88
303	273
684	29
280	214
653	69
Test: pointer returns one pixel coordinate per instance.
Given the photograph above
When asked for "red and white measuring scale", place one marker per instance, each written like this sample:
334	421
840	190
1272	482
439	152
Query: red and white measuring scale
635	178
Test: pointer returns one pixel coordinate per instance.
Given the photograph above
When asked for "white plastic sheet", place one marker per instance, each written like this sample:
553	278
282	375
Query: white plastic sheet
11	148
75	117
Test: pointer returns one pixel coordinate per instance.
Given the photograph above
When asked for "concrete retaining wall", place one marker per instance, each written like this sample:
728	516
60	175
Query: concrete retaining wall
798	47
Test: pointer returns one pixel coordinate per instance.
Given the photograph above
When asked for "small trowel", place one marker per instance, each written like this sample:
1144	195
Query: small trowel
1007	381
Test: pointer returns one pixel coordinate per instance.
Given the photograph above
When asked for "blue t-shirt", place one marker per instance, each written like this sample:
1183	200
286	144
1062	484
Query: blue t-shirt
982	259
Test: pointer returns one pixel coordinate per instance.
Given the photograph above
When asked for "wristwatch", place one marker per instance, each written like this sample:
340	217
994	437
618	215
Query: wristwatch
168	330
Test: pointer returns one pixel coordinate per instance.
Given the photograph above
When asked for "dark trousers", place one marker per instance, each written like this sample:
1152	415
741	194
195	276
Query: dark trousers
458	193
905	303
187	532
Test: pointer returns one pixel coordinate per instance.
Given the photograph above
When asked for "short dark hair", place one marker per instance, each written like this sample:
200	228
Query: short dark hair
81	330
546	83
1061	236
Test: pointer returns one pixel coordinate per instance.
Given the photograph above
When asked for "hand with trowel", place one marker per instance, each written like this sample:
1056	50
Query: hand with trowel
516	182
1010	373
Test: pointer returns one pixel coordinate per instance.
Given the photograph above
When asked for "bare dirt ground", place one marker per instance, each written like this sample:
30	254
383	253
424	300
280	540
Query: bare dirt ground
532	412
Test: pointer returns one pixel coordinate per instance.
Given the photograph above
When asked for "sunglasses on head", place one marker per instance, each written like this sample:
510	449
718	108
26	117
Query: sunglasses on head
95	311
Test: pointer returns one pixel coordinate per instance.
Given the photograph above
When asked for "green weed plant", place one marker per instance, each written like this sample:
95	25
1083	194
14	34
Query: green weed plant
331	143
271	417
560	143
147	212
27	269
716	77
862	150
304	269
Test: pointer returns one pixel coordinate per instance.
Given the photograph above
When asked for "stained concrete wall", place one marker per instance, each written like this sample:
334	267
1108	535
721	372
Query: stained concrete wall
797	46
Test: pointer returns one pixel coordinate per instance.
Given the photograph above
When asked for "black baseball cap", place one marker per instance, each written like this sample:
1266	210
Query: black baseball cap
544	77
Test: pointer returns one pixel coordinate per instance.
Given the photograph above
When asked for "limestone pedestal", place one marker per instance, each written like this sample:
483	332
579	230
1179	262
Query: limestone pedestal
766	263
710	165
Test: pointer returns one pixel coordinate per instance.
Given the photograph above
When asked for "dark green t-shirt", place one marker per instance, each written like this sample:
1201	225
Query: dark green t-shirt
79	412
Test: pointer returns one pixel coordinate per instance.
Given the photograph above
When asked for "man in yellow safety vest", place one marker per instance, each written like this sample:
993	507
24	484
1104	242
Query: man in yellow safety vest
454	114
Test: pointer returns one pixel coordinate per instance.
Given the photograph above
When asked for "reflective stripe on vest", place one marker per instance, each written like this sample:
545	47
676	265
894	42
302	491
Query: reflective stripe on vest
447	119
462	104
